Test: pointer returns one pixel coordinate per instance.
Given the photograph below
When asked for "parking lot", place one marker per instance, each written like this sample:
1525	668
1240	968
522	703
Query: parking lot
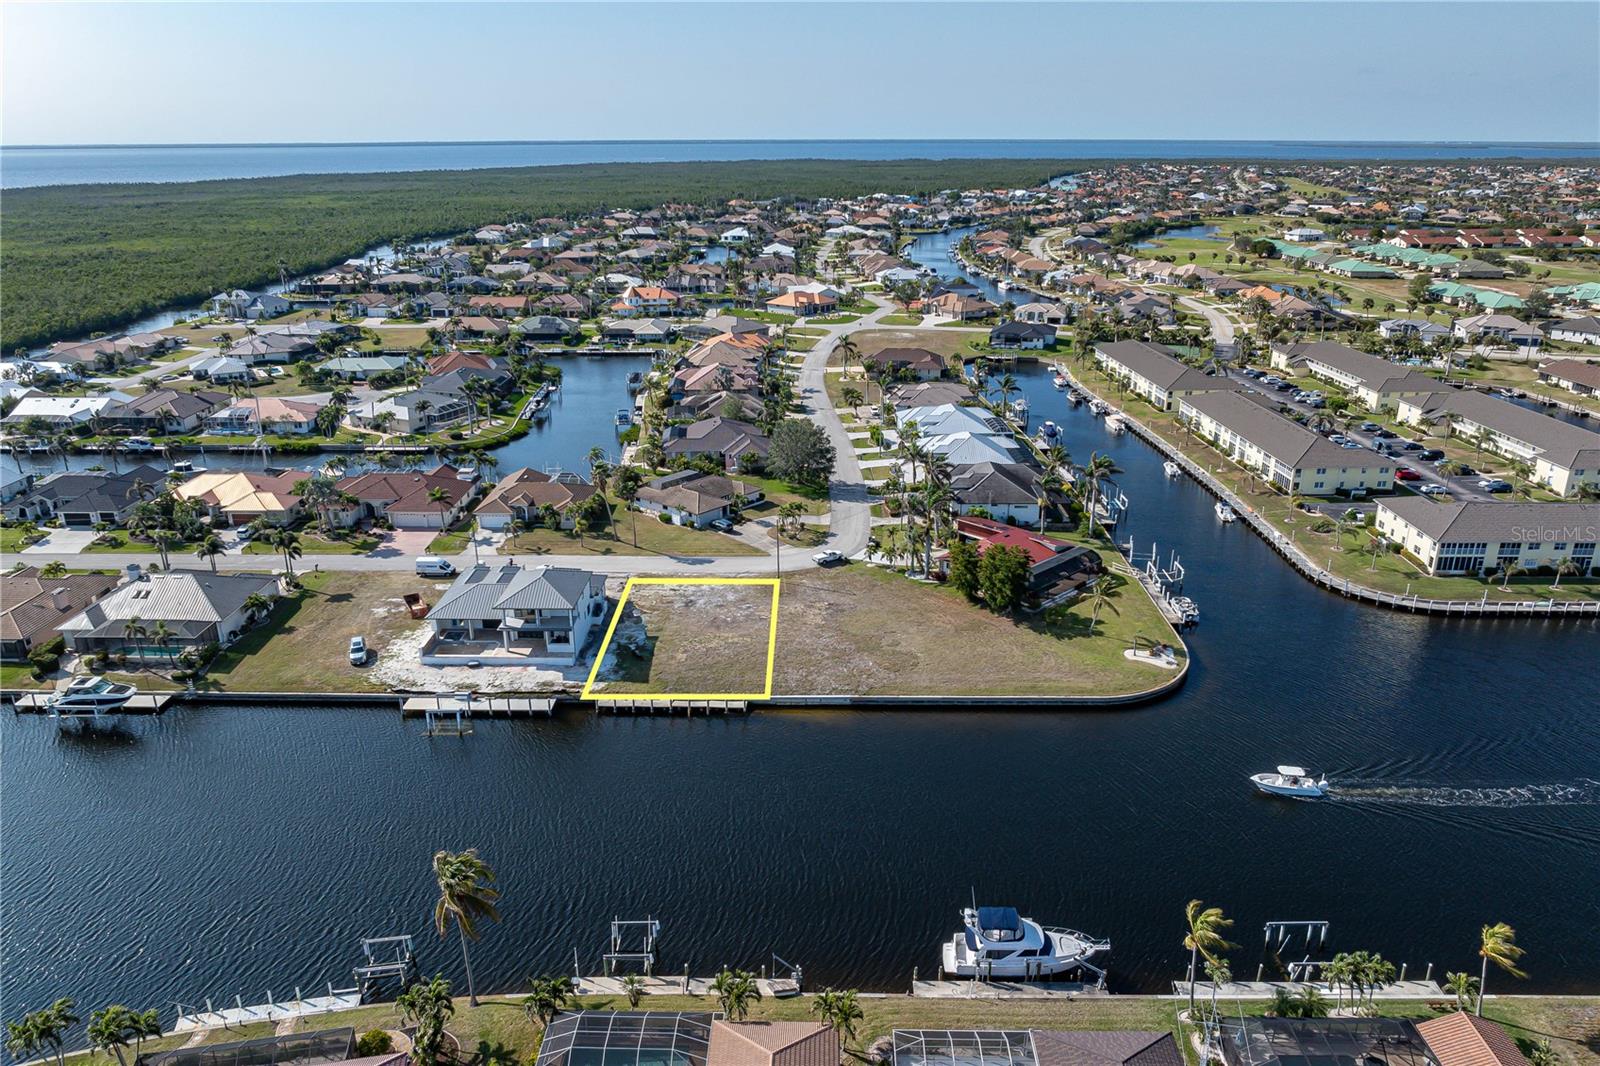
1416	470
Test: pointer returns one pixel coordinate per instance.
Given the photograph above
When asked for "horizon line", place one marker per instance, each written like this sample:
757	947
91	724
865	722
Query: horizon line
1324	142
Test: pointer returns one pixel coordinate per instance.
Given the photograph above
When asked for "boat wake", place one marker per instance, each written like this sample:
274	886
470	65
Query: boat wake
1584	792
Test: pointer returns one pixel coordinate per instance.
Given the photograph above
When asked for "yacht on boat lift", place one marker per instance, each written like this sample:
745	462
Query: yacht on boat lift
624	418
1292	782
1172	469
90	695
997	942
1225	514
636	381
1049	433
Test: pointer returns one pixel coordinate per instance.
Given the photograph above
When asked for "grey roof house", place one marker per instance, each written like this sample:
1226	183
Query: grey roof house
511	615
197	608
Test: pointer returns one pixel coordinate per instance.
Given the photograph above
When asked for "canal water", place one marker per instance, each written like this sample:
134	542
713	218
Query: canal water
227	851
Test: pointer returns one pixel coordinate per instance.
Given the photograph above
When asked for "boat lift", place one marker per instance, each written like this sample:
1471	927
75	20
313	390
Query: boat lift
1282	931
385	957
450	715
643	933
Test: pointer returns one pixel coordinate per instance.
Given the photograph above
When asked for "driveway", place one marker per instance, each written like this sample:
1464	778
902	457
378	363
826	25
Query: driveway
61	541
408	543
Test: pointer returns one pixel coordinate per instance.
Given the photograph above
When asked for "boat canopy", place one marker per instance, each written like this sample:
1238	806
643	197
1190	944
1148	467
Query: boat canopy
1004	919
1292	771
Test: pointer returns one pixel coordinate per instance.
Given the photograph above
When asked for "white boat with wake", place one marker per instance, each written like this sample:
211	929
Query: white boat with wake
1172	469
1292	782
997	942
89	696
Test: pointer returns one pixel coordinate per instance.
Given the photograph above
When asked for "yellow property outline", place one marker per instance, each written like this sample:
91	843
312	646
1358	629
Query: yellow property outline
600	655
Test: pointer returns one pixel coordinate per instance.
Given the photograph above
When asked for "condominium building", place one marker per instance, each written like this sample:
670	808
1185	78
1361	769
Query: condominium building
1563	457
1151	371
1284	453
1487	536
1376	382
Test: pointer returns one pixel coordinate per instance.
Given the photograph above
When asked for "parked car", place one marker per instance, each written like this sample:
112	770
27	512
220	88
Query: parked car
1433	490
358	651
1494	484
1428	455
433	566
1338	438
1405	473
1407	445
722	525
1370	427
1283	386
827	558
246	533
1384	434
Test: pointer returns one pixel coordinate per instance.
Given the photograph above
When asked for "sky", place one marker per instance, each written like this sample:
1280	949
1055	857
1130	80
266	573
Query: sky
131	73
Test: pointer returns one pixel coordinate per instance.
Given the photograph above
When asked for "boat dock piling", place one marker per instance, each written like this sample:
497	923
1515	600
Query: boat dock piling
240	1014
451	713
1425	990
975	989
688	708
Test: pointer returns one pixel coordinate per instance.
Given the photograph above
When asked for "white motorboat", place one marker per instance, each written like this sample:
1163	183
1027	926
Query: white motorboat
1294	782
1003	286
1059	381
1186	609
1020	406
186	467
138	444
1172	468
1115	424
1049	432
1225	514
91	695
997	942
624	418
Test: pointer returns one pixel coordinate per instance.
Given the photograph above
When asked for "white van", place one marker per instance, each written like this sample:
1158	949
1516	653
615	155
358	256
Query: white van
433	566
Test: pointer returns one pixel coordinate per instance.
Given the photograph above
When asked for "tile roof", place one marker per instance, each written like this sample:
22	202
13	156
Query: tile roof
1460	1039
772	1044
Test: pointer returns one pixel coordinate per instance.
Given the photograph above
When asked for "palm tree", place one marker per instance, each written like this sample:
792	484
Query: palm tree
163	539
1510	569
209	548
161	635
52	1024
848	350
286	541
547	996
633	988
839	1010
109	1030
1564	568
427	1005
1497	944
1204	936
1464	987
132	630
1098	469
24	1038
465	897
1106	589
255	605
735	991
143	1025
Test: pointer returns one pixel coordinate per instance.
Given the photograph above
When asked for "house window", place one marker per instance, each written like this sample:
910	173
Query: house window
1533	546
1318	485
1459	558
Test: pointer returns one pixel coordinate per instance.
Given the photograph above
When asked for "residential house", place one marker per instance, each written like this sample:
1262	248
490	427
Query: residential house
1006	492
522	495
1420	328
1505	329
1479	537
962	308
928	394
764	1043
264	414
85	497
1153	372
196	607
1584	330
32	608
908	363
736	444
1284	454
690	498
1050	314
1562	456
407	499
240	303
1574	375
803	303
507	614
222	370
1017	334
418	411
545	329
1106	1047
164	410
364	367
1462	1039
239	497
63	411
1057	571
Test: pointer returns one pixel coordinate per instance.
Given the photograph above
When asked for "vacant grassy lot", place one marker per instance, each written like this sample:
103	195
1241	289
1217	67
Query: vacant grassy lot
636	533
864	630
498	1030
301	647
682	639
944	342
312	544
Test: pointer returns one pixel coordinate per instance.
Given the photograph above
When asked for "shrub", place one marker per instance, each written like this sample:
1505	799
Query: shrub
374	1042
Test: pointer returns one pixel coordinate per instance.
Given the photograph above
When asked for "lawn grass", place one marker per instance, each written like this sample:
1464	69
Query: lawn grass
860	629
454	540
11	540
653	537
813	498
14	676
907	319
123	543
834	320
312	544
945	344
803	535
498	1029
690	639
300	646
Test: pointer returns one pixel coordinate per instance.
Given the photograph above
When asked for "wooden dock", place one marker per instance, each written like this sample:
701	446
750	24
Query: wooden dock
241	1013
775	988
1268	989
970	989
478	706
141	703
623	705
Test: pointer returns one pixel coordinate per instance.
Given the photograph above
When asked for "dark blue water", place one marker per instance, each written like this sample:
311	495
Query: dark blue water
1203	232
215	852
936	251
70	164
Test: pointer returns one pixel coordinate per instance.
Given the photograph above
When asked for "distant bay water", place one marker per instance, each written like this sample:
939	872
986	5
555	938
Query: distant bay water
32	165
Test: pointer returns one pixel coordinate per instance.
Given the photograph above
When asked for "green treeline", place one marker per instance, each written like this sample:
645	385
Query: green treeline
76	259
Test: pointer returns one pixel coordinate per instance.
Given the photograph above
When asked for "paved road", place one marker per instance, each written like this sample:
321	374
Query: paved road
1222	327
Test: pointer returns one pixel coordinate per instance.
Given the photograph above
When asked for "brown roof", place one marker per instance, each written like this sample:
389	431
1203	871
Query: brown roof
29	610
772	1044
532	488
1460	1039
1106	1048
